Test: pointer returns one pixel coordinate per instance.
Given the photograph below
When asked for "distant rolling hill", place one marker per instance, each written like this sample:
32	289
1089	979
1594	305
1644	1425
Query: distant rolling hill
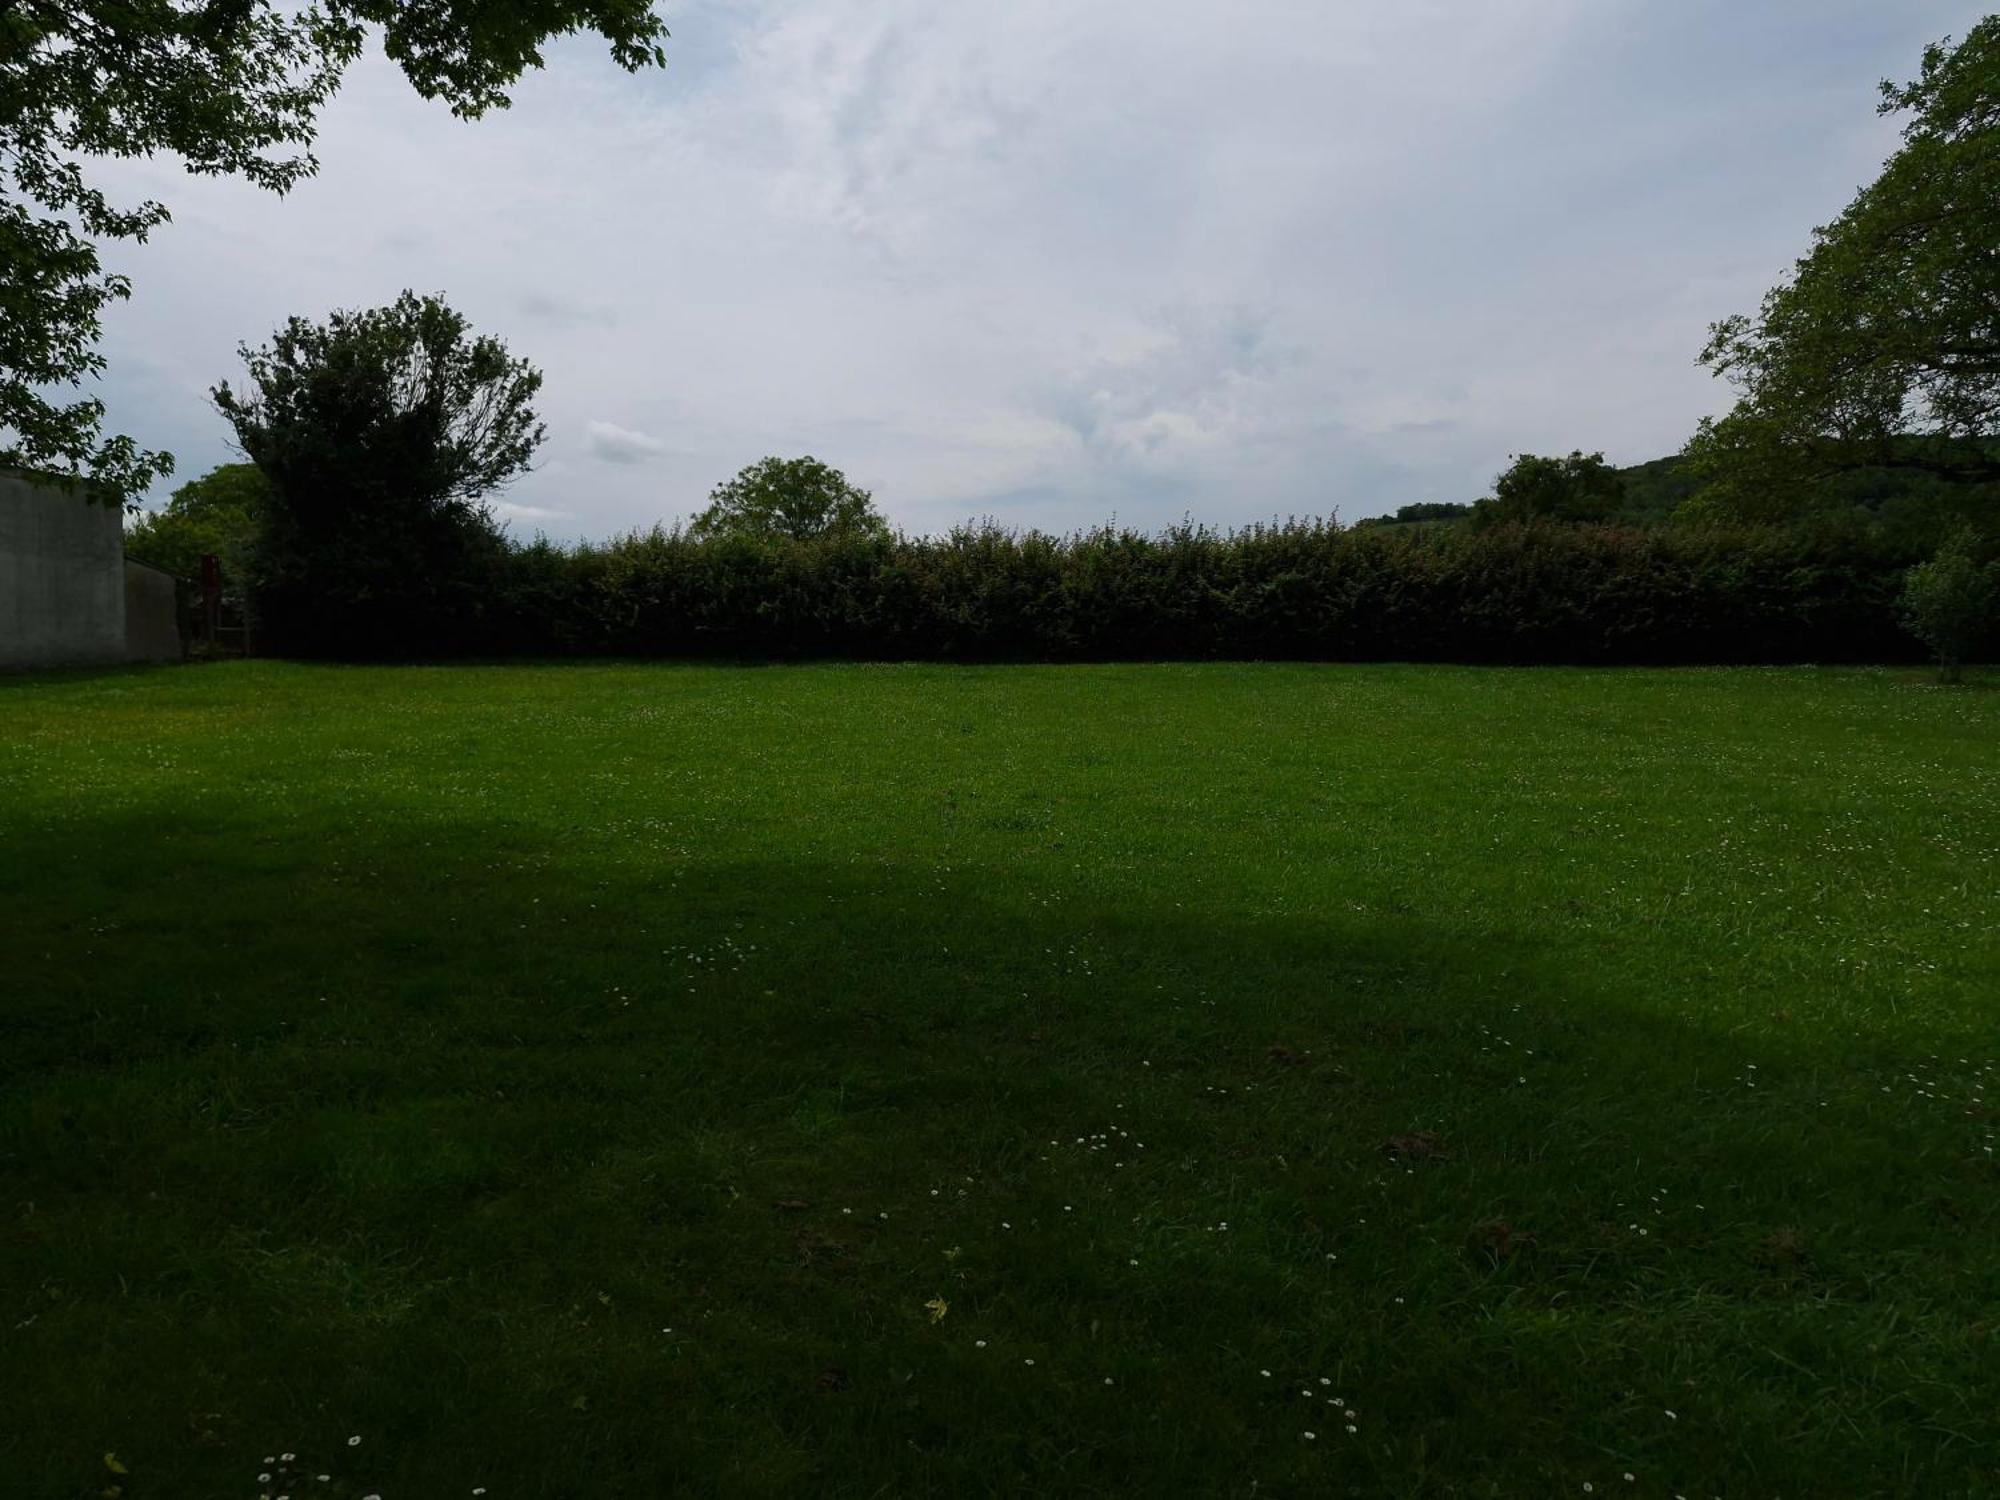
1653	490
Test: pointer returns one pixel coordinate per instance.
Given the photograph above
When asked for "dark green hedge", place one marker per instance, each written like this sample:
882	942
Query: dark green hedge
1538	593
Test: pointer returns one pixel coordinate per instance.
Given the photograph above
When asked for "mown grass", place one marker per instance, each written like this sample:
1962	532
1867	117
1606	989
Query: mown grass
579	1080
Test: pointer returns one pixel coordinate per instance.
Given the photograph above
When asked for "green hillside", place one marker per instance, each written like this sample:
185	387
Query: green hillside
1655	489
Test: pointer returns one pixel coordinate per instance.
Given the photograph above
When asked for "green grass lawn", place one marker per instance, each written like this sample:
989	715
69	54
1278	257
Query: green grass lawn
1137	1080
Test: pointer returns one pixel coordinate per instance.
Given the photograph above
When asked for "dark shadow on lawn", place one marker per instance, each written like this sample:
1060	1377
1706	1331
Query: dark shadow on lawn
433	1097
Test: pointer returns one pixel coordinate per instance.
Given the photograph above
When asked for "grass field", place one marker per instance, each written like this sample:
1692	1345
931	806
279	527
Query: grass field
1235	1080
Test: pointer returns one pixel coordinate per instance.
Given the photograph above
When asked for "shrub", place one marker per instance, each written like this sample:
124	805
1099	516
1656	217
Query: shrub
1949	603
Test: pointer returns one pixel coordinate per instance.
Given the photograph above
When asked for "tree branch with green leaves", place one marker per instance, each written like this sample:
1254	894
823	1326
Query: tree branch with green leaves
1882	350
233	88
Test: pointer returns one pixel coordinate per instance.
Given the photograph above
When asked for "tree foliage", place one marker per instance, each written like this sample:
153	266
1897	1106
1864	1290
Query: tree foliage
1882	350
232	87
219	514
1582	487
396	401
799	498
1951	602
381	432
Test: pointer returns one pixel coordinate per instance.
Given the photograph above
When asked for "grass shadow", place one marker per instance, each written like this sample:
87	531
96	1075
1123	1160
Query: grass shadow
546	1161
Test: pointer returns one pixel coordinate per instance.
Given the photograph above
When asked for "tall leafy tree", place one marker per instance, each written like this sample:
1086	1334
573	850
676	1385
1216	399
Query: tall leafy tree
381	433
1882	350
232	87
800	498
219	515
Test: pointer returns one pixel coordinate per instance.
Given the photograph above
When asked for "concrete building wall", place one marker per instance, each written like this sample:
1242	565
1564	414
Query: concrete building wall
152	614
62	577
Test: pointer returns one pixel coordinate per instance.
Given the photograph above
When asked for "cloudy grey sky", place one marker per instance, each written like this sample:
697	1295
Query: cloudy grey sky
1053	261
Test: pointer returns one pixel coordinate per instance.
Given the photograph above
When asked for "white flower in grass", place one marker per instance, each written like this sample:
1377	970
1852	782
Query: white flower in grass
1309	1436
355	1441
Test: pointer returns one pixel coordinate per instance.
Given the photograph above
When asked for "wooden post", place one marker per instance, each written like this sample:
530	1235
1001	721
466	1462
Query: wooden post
211	597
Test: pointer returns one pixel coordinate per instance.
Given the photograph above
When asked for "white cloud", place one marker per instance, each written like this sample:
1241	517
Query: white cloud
620	445
507	510
1048	261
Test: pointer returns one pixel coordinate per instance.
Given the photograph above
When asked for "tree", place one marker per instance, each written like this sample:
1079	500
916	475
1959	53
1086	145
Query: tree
800	498
1951	602
220	513
1582	487
233	87
1882	350
380	432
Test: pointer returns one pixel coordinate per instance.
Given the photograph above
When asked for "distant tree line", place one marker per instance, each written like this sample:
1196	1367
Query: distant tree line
1853	486
362	530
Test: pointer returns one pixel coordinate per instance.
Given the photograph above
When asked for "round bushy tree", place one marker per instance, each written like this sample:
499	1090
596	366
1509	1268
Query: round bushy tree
798	498
1582	487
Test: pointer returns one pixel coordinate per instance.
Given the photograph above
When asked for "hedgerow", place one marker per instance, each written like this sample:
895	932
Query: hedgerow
1307	590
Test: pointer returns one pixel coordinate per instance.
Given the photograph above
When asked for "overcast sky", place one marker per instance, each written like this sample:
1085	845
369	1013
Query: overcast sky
1056	261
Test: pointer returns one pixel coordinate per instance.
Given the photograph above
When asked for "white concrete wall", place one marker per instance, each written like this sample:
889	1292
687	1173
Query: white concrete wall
62	577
